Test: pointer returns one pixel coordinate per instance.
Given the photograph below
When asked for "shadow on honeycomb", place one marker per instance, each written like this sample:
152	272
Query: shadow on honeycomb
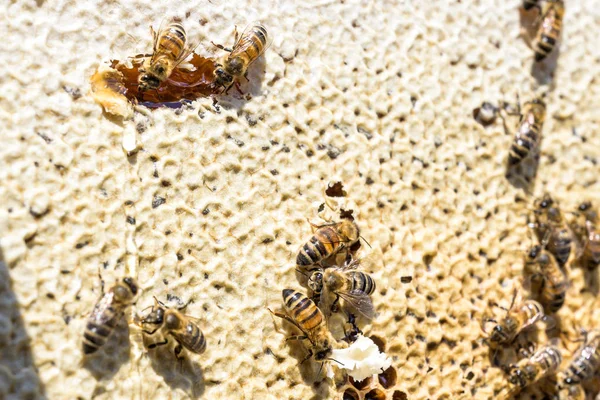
18	374
381	388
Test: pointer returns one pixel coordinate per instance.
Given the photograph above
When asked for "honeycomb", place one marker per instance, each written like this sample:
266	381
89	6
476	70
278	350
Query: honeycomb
384	386
212	204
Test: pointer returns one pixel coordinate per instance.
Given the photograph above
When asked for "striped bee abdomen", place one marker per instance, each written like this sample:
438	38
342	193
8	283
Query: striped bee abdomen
560	245
549	30
197	341
302	310
586	362
362	282
525	143
97	331
172	42
321	245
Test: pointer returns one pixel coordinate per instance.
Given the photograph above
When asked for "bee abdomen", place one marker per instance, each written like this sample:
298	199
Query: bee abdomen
302	309
320	246
173	41
95	336
198	342
523	145
592	250
363	282
561	246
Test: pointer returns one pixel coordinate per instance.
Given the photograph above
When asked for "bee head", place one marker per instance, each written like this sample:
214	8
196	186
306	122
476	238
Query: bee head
315	282
533	253
517	377
147	81
222	77
545	201
585	206
323	350
348	230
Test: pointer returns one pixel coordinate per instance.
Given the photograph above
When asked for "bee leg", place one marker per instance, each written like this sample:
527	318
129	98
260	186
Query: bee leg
227	89
334	306
287	318
178	355
295	337
220	46
235	33
153	345
237	86
150	332
308	356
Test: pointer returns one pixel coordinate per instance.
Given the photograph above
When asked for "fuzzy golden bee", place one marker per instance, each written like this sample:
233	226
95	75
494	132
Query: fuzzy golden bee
354	287
586	361
107	314
250	45
527	371
327	240
588	235
552	229
516	320
183	328
528	138
169	50
550	278
306	316
548	32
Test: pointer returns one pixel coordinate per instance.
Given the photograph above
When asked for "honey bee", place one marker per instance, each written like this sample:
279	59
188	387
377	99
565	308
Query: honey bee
527	371
586	361
107	313
354	287
183	328
553	283
552	229
516	320
169	50
549	30
588	235
306	316
250	45
529	4
528	138
328	240
571	392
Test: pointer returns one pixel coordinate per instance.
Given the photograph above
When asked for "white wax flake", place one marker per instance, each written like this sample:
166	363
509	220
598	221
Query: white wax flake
362	359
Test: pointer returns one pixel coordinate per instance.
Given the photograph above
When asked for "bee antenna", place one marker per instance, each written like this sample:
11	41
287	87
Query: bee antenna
331	359
365	240
302	272
320	369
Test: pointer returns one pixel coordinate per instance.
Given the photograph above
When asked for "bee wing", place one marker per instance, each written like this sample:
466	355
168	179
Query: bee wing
99	316
361	302
369	262
325	302
245	40
190	46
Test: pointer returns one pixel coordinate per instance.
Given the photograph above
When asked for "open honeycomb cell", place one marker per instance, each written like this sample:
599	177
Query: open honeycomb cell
350	394
360	385
375	394
399	395
388	378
